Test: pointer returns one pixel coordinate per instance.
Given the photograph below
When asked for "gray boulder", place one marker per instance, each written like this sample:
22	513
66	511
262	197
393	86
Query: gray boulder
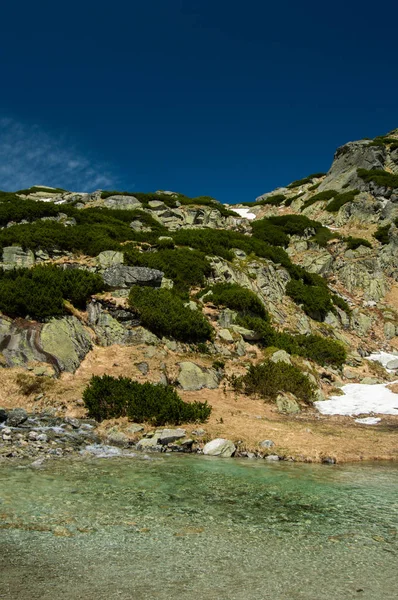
220	447
16	417
67	341
121	276
121	202
168	436
392	364
109	258
267	444
281	356
287	403
192	377
14	257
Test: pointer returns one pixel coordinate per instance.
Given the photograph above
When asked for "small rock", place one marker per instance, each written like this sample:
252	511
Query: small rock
267	444
3	415
134	428
42	437
117	438
33	435
272	458
75	423
348	374
328	460
392	364
225	335
16	417
199	432
143	367
220	447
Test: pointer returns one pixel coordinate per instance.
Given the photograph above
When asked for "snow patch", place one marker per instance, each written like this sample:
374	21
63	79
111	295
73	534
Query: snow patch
382	357
244	213
368	421
361	399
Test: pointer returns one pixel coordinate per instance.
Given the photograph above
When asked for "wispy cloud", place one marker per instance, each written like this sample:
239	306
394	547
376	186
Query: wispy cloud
31	156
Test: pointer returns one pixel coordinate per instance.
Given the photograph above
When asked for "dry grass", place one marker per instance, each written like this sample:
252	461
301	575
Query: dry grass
306	437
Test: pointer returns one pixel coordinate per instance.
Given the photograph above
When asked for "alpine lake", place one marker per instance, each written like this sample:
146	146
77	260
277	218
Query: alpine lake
193	527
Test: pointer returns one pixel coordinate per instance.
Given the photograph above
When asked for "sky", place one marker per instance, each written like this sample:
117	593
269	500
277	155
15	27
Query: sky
221	98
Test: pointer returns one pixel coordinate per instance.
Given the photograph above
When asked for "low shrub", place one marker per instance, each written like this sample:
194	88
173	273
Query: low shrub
341	303
163	312
40	292
353	243
269	233
382	234
379	177
315	300
269	379
275	200
323	351
321	196
341	199
305	180
107	397
235	297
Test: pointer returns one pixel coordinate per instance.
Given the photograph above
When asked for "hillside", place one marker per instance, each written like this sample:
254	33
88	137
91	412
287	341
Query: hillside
260	309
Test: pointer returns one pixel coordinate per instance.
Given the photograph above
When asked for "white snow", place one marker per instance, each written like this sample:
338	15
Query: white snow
382	357
368	421
361	399
244	213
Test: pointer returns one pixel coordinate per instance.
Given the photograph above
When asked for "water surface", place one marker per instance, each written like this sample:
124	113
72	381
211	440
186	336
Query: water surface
196	527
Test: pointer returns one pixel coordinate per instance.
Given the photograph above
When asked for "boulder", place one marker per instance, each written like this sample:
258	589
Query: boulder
168	436
16	417
122	276
121	202
281	356
192	377
220	447
109	258
14	257
287	403
149	443
225	335
392	364
266	444
67	341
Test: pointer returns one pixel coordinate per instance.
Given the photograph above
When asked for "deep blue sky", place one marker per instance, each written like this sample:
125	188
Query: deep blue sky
214	97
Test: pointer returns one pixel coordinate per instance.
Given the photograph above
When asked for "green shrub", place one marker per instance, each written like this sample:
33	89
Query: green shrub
379	177
270	379
305	180
269	233
321	196
164	313
294	224
290	200
323	236
40	292
382	234
323	351
315	300
353	243
36	188
107	397
275	200
237	298
340	200
341	303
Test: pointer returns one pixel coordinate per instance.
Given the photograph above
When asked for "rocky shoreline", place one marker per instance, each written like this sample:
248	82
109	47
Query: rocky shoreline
42	436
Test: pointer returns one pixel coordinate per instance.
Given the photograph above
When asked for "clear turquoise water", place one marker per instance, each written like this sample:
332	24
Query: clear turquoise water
198	528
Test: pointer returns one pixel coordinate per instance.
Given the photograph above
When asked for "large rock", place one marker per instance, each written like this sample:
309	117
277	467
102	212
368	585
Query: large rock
16	417
67	341
121	276
220	447
14	257
109	258
281	356
121	202
168	436
287	403
193	377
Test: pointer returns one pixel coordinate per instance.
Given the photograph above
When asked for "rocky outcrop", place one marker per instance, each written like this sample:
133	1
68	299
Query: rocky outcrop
124	277
115	325
67	341
14	257
109	258
61	343
120	202
192	377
